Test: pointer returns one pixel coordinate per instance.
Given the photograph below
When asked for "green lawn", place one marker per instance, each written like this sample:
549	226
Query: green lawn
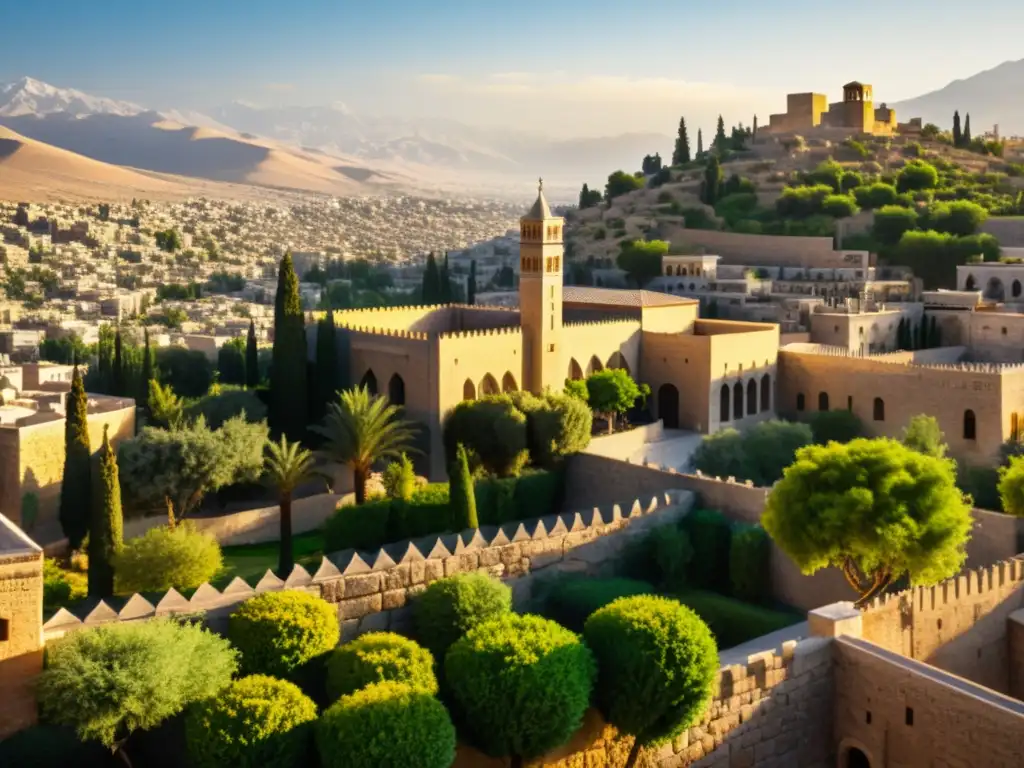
251	561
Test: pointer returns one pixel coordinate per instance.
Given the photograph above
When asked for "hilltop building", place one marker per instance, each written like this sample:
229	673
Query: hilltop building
856	113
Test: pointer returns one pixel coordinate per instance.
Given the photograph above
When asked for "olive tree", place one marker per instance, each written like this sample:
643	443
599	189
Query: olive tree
875	509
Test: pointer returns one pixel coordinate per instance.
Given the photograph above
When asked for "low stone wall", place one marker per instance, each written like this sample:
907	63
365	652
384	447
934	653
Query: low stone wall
372	589
623	445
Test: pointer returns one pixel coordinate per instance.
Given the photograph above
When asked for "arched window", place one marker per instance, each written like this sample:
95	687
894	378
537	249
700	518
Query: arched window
879	409
723	403
369	381
823	401
396	390
970	425
971	284
737	400
575	372
468	390
488	386
1015	289
800	404
594	365
508	382
766	392
751	397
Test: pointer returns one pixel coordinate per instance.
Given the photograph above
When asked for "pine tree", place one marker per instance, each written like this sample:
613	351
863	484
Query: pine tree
252	358
118	366
76	483
681	153
106	525
958	138
461	492
289	408
148	373
700	144
711	189
720	138
431	282
584	197
471	284
444	277
967	130
327	382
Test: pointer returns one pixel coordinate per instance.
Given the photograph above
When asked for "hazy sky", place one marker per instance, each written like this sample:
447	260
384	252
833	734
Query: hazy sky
580	67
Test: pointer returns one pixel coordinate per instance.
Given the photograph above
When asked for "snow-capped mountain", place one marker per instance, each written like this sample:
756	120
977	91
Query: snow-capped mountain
33	97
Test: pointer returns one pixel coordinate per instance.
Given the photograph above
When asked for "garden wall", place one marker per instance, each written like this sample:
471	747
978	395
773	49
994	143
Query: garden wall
623	445
371	589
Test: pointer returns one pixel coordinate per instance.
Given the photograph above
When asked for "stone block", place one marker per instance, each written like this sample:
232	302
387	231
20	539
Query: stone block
452	565
394	598
433	570
357	607
490	556
835	620
540	561
811	653
397	577
361	584
417	572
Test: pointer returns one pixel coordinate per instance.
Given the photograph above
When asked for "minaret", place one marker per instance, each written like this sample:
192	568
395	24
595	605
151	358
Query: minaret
540	296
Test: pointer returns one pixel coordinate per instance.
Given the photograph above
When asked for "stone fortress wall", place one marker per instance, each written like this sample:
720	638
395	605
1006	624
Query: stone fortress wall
21	643
766	250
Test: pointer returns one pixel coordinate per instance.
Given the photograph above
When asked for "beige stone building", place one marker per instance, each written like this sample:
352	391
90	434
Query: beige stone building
703	374
856	113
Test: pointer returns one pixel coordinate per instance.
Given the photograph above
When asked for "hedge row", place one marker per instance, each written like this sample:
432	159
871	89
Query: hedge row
498	500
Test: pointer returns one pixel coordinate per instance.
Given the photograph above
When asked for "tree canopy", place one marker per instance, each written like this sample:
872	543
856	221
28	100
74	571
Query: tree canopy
613	392
641	259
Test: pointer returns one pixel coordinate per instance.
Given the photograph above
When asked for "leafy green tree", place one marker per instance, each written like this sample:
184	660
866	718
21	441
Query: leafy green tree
361	429
187	371
721	454
76	483
835	426
657	668
164	558
839	206
1011	486
651	164
493	431
255	722
176	468
471	284
711	188
622	183
557	425
891	222
67	350
116	679
289	409
769	447
106	529
917	175
399	479
378	657
431	281
252	360
612	392
445	280
328	370
166	409
641	259
875	509
463	494
960	217
875	195
276	633
924	435
449	608
225	403
589	197
681	152
829	172
288	465
523	683
231	362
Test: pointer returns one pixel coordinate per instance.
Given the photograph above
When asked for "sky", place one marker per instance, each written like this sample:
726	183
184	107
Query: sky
570	68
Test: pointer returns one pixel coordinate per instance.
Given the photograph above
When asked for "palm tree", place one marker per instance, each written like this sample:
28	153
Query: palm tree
287	466
361	429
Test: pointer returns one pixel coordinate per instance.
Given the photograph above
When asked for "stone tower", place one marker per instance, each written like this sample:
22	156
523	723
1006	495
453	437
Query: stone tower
540	296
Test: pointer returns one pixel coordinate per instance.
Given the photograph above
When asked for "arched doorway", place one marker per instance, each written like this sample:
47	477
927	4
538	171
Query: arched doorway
508	382
396	390
723	404
369	381
488	386
468	390
971	284
823	401
855	758
668	406
575	372
594	365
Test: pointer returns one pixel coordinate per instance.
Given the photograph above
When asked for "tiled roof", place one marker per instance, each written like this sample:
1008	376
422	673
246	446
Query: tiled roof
540	210
577	294
13	540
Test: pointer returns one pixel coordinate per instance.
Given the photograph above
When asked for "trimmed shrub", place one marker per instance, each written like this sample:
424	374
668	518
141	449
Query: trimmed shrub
428	511
838	426
732	621
449	608
362	527
536	494
875	196
53	746
181	557
749	560
657	666
523	684
56	586
227	404
710	533
256	722
721	454
556	426
277	632
839	206
891	221
493	431
462	492
378	657
670	552
572	600
400	479
496	499
770	447
386	725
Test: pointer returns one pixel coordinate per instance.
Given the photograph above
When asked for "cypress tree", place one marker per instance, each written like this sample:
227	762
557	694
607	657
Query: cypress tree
700	144
75	488
958	137
461	493
720	138
289	408
106	525
712	180
431	281
252	358
147	371
118	366
681	153
584	196
105	355
471	284
445	280
967	130
753	133
327	382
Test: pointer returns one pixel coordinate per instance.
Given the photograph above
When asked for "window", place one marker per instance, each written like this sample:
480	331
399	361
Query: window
5	630
970	425
879	409
849	403
1004	330
723	403
823	401
800	404
909	716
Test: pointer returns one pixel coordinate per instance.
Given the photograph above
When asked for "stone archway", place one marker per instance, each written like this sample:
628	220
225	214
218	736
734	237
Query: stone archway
488	386
575	372
853	754
369	381
396	390
994	289
594	366
508	382
668	406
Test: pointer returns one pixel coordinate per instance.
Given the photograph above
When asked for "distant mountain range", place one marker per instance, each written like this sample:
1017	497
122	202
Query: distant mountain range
992	97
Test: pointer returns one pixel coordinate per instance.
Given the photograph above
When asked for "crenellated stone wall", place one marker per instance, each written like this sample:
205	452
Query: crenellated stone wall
372	589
